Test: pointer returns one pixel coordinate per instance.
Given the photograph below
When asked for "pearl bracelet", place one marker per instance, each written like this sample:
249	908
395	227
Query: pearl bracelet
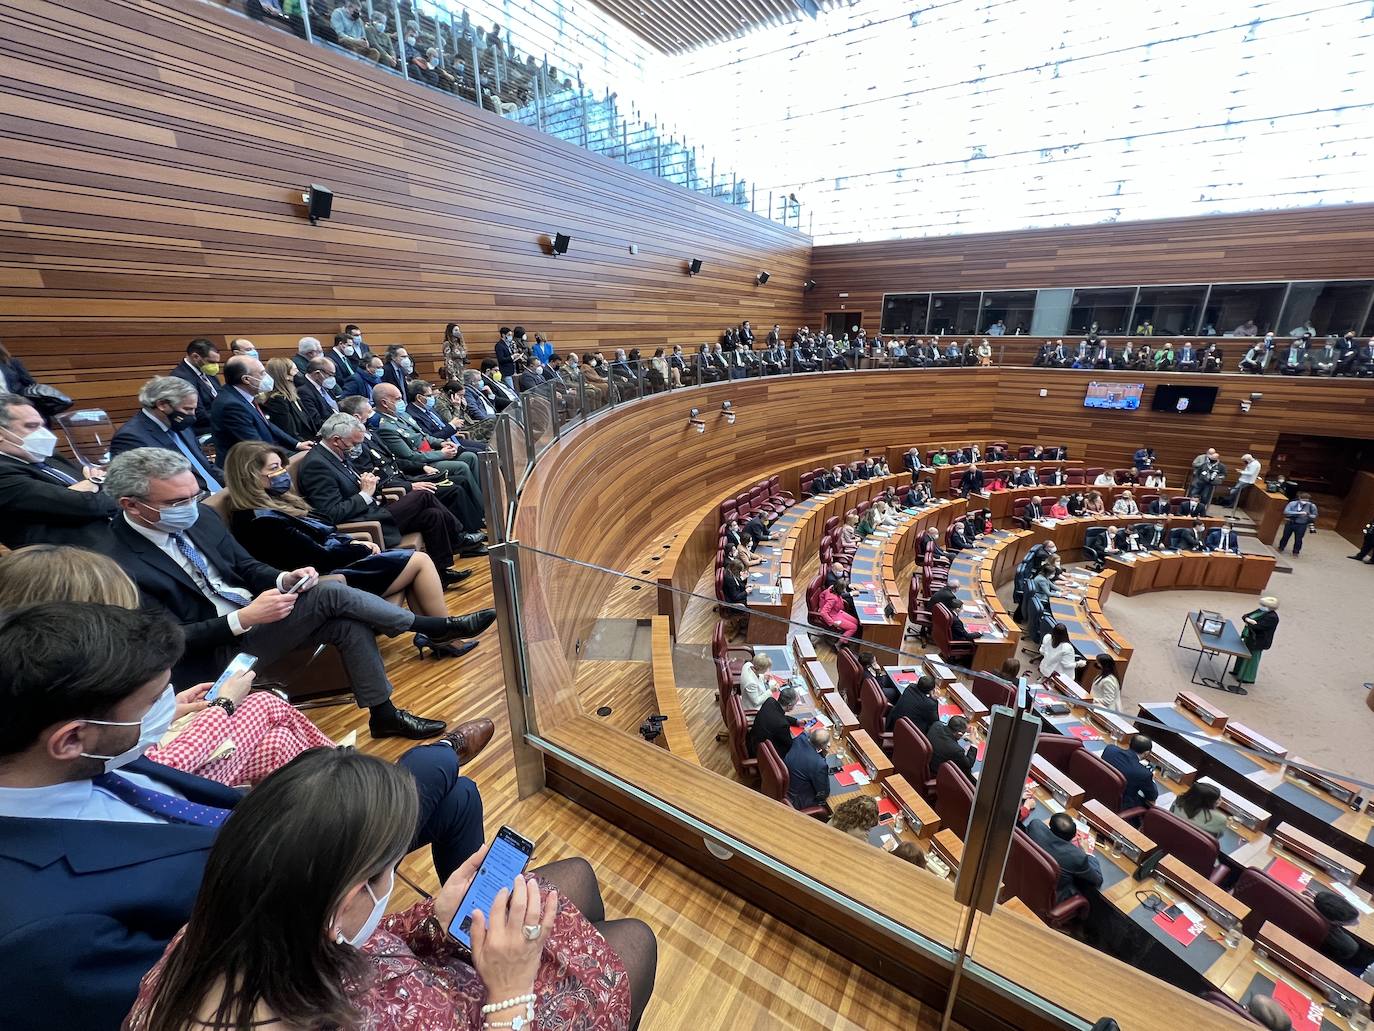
497	1007
517	1022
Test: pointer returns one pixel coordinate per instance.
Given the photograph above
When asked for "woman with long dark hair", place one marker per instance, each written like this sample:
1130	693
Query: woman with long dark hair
1198	805
282	404
1057	654
288	930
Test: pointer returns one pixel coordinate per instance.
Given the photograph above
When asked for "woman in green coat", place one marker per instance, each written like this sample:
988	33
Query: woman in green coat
1258	635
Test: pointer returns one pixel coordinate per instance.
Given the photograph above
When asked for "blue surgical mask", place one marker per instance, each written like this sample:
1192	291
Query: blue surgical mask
177	518
407	364
372	377
266	384
400	408
330	383
150	730
280	483
356	451
429	401
373	919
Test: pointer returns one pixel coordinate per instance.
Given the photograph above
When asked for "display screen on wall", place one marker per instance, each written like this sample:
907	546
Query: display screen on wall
1184	400
1113	395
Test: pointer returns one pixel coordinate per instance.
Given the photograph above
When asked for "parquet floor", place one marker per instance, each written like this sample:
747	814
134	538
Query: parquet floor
722	963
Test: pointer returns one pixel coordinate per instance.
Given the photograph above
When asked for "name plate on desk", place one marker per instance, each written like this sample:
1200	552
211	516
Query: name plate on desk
1318	853
937	669
1202	709
1341	790
1242	734
1117	726
1242	809
875	761
1134	845
1172	766
948	847
839	711
922	819
1311	965
1217	904
965	699
1071	688
1067	793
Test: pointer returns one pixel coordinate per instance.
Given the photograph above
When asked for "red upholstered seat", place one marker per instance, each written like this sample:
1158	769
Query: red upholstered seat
1032	875
1186	842
873	706
774	779
1271	902
953	798
950	650
956	481
813	602
737	731
850	673
1074	477
735	657
992	692
911	753
1101	781
1057	749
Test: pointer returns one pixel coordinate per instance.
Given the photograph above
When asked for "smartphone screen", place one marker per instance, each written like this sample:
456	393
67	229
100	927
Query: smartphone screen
298	586
505	862
241	663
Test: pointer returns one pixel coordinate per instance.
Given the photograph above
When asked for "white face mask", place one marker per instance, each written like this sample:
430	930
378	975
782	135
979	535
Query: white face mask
150	730
373	919
40	443
330	383
349	350
266	384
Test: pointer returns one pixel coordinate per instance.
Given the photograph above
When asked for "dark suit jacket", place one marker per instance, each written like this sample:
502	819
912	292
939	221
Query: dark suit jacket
734	589
945	747
808	781
973	480
331	488
505	358
89	906
36	508
164	584
1078	871
236	418
1140	782
205	395
291	418
142	431
921	709
1214	541
772	724
1262	634
1033	511
479	405
395	375
16	375
1187	540
429	421
1159	506
958	541
755	531
345	371
316	408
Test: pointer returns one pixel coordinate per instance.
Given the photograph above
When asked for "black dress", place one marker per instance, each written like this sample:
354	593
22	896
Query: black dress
290	542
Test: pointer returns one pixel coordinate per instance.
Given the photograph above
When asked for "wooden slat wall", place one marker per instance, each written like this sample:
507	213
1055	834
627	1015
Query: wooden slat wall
152	157
1309	243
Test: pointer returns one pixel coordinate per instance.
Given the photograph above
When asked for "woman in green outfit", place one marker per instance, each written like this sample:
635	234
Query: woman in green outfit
1258	635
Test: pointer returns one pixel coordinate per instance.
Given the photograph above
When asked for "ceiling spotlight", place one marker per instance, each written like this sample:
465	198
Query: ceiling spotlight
808	286
761	278
694	420
727	409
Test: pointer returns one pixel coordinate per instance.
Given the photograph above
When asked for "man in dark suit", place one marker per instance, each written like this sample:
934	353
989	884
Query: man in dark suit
947	745
200	369
45	499
756	531
397	367
1158	507
456	459
1224	539
165	419
533	376
873	670
503	393
235	415
347	363
1191	538
772	723
307	349
1078	871
1141	789
918	704
1191	506
481	404
505	353
808	776
1035	509
420	404
316	392
928	547
184	561
102	851
958	536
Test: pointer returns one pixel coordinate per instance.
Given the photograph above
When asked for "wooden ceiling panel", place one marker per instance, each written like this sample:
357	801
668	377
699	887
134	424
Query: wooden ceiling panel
677	26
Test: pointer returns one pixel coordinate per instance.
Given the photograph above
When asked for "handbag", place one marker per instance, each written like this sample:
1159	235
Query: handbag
48	400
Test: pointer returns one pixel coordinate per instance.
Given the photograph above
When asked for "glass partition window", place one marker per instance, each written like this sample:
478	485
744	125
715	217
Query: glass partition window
1325	307
954	313
1171	310
1244	309
1013	308
1109	309
905	313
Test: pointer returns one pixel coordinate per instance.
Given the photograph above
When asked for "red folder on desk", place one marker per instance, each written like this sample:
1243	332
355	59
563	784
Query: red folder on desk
887	807
1084	732
948	709
1305	1012
1291	877
1180	929
846	775
871	611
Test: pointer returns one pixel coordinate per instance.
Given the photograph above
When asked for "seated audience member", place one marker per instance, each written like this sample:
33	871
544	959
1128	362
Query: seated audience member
200	371
856	816
1128	540
1198	805
306	349
45	499
182	558
928	547
1035	509
316	392
880	466
274	525
1192	538
1057	654
347	364
941	457
235	414
1104	479
404	438
282	403
735	591
834	612
873	670
918	704
756	681
422	407
1187	358
1191	506
1293	359
884	515
1224	539
1164	357
947	745
918	494
340	822
1158	507
1106	687
773	722
481	402
1141	789
239	738
1322	360
1093	503
957	631
836	573
167	413
808	776
756	531
1078	871
104	850
1340	945
959	538
735	537
1125	505
911	853
912	461
1075	504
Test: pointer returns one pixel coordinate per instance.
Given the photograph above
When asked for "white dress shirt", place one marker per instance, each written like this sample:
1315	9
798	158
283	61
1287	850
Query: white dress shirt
1251	471
753	689
80	800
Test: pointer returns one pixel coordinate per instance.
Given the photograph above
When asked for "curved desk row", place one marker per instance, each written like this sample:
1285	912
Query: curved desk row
1001	504
940	475
1069	534
974	576
1172	570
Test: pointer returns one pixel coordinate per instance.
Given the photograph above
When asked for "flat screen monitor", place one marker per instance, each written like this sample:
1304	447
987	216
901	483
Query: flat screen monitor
1172	397
1113	395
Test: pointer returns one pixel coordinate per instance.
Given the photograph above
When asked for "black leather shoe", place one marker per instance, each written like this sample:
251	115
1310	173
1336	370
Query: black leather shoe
405	724
463	626
453	577
471	540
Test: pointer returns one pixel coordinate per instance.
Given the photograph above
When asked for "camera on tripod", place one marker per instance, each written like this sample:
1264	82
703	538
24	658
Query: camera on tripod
651	728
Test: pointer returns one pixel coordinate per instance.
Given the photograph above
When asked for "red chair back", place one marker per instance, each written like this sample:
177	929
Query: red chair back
773	776
1057	750
720	582
737	731
1189	844
911	753
720	648
952	651
1271	902
953	798
1099	780
831	524
1018	508
1093	473
1074	477
805	482
873	706
774	485
1032	874
1025	451
727	512
850	674
990	692
956	480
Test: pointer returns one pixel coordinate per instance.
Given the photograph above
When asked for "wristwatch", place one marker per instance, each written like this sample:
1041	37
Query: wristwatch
225	704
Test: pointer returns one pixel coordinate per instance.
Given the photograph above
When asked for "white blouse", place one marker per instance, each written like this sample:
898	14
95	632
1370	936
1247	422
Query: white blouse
1061	659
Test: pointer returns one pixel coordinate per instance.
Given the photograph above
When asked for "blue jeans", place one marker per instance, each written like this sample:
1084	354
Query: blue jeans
1296	531
450	820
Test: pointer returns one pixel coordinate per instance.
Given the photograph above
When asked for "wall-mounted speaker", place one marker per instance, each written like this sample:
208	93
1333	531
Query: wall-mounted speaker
694	266
560	243
319	202
808	286
761	278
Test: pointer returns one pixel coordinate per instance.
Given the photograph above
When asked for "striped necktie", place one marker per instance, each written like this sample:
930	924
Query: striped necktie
192	554
57	474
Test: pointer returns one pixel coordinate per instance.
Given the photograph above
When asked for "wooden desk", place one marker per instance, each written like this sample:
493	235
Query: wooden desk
1139	572
1264	852
1276	956
939	476
1069	534
1266	509
974	576
1090	631
1001	504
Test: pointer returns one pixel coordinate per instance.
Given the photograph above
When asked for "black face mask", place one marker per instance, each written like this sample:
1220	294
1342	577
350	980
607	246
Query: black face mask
179	420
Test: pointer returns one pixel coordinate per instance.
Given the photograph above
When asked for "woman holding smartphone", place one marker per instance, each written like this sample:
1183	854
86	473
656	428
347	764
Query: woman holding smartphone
288	930
239	738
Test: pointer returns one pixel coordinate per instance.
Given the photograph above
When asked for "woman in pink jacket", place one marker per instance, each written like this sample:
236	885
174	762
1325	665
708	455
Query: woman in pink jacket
833	612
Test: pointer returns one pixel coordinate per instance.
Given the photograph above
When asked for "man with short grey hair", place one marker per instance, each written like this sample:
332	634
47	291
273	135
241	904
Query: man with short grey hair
183	560
315	391
306	349
45	499
165	420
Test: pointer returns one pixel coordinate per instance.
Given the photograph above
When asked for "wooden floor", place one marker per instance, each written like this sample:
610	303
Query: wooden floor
722	963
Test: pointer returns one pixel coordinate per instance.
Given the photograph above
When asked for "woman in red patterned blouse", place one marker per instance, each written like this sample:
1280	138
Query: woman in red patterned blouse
289	916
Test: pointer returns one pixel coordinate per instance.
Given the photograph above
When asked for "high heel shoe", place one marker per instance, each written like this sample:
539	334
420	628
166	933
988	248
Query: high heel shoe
440	650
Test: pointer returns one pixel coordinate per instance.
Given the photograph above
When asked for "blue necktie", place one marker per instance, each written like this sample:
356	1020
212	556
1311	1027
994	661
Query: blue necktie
169	807
206	476
193	555
56	473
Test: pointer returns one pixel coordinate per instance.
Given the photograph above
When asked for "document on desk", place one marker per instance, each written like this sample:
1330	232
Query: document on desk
1355	900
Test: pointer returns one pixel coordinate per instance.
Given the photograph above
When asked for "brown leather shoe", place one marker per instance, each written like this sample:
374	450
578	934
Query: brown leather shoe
468	739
